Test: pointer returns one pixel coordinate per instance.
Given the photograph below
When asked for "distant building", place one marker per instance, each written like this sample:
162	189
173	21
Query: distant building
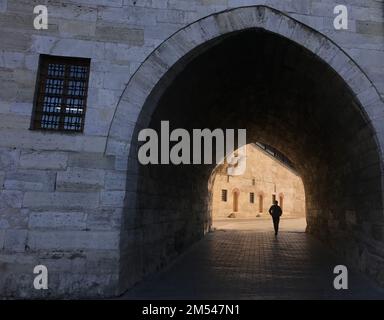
269	176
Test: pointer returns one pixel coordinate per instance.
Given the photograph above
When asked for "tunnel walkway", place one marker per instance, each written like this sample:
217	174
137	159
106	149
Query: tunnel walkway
242	259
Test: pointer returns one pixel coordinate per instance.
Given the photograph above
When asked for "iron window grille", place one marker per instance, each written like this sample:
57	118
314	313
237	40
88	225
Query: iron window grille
252	197
61	94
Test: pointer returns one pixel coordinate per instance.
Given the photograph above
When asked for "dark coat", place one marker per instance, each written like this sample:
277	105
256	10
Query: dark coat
275	211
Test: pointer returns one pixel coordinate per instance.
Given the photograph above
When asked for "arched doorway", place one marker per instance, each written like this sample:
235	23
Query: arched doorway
261	203
236	194
281	200
196	80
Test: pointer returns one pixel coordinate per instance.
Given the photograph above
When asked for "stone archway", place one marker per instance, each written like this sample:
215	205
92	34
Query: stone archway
154	232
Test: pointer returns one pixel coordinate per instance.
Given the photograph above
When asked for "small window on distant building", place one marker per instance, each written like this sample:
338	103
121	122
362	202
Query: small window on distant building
252	197
273	198
224	195
61	94
253	182
227	178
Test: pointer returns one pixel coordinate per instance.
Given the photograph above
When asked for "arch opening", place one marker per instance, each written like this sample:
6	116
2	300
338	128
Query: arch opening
268	172
284	96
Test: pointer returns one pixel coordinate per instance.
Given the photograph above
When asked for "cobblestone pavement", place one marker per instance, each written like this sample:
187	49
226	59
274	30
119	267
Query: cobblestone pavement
242	259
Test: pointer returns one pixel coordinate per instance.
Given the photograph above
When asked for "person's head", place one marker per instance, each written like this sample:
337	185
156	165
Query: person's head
276	202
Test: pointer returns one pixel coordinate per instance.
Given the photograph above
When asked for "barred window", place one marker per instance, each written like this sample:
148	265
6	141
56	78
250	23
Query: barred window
224	195
61	94
252	197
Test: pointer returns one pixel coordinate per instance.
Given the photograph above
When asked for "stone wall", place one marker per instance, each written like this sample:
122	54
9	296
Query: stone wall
67	203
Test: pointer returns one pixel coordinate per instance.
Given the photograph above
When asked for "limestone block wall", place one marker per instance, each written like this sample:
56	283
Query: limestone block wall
62	197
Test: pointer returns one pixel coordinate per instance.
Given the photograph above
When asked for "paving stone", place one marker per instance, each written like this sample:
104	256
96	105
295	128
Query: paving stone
244	260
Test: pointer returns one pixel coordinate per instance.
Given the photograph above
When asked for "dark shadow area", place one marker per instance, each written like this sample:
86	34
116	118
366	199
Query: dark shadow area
285	97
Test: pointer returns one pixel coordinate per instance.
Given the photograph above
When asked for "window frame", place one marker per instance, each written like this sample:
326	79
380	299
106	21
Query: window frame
40	92
224	195
252	197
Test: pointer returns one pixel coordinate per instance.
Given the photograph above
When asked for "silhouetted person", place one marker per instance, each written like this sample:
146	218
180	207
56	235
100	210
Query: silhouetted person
275	211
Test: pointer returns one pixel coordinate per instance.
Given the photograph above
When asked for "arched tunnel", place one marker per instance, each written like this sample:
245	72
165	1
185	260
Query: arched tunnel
288	98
